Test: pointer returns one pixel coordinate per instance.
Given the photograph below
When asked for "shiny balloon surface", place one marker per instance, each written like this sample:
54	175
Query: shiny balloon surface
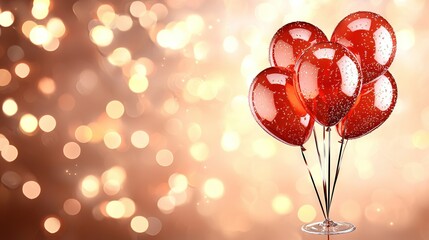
276	107
372	109
371	38
291	40
328	82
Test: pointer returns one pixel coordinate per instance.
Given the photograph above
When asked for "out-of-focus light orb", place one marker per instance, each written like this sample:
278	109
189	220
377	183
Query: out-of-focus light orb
194	132
6	18
213	188
112	140
9	153
178	182
140	139
5	77
40	35
195	24
350	210
83	134
176	37
106	14
52	45
171	106
130	207
28	123
160	10
199	151
101	35
124	23
72	206
230	141
31	189
111	187
87	82
71	150
306	213
230	44
115	209
266	12
264	148
164	157
201	50
148	19
137	8
11	179
90	186
155	226
282	204
116	173
47	123
119	56
47	86
4	142
15	53
66	102
166	204
27	26
52	225
139	224
56	27
115	109
22	70
138	83
406	39
40	9
9	107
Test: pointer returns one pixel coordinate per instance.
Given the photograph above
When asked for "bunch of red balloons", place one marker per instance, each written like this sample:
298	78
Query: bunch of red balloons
343	82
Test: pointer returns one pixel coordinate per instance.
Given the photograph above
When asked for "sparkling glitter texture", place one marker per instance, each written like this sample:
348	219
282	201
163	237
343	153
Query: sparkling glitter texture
129	120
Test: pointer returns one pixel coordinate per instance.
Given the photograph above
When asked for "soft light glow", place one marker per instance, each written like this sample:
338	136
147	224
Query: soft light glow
139	224
90	186
166	204
138	83
83	134
71	150
22	70
140	139
213	188
40	35
115	209
115	109
31	189
178	182
40	9
52	225
129	205
47	86
230	141
137	8
56	27
9	107
306	213
112	140
282	204
119	56
101	35
47	123
230	44
199	151
28	123
9	153
6	18
164	157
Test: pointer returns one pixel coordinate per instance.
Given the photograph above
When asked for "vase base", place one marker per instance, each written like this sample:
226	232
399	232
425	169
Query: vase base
328	227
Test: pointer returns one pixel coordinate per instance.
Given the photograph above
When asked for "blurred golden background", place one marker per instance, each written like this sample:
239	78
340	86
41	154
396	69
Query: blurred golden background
130	120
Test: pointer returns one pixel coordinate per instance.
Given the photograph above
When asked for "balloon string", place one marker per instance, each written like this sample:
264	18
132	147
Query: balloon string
317	147
329	171
339	161
323	167
312	181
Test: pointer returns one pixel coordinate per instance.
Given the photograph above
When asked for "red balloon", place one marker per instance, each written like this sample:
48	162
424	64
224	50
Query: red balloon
276	107
290	41
371	38
328	81
374	106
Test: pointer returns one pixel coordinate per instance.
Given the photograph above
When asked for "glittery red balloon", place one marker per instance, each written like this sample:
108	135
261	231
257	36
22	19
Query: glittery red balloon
328	81
374	106
371	38
290	41
276	107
